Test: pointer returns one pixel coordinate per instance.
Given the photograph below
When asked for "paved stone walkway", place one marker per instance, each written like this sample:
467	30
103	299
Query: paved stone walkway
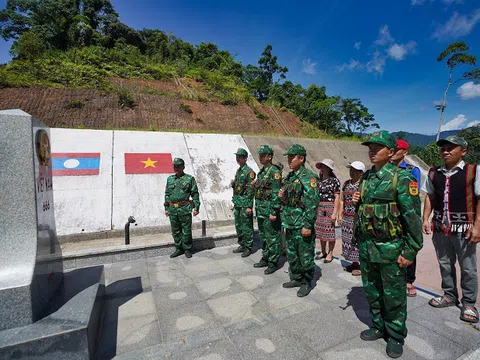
216	305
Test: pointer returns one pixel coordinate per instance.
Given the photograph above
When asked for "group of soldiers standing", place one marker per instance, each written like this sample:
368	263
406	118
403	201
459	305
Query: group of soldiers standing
387	225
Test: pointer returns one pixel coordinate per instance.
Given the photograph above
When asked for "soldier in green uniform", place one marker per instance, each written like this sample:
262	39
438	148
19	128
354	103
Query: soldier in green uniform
178	207
300	200
388	229
267	207
243	203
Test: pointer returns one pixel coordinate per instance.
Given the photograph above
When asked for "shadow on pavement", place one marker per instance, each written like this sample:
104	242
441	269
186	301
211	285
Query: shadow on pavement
357	300
118	293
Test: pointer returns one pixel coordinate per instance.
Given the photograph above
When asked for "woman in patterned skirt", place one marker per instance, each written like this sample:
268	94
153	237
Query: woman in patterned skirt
349	245
329	191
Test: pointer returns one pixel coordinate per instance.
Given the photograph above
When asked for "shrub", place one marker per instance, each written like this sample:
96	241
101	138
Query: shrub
186	108
74	104
125	98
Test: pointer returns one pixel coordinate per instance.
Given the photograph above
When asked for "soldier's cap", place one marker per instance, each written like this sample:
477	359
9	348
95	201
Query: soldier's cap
178	162
453	139
241	152
265	149
296	149
402	144
383	138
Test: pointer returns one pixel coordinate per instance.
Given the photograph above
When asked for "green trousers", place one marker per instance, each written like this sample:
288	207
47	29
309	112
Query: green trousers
385	287
270	235
181	225
244	227
300	254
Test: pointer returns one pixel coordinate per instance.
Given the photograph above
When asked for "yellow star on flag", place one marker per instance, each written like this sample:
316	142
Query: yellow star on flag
149	163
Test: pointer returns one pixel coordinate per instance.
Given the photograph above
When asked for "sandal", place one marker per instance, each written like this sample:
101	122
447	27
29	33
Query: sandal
412	291
441	302
357	272
470	311
351	267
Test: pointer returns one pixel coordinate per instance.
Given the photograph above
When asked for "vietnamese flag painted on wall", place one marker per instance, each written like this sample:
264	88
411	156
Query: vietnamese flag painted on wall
148	163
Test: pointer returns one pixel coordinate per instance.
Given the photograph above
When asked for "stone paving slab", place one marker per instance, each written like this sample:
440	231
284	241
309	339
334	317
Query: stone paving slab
217	306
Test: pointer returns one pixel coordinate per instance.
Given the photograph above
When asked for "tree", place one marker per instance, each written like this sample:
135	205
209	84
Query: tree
472	136
456	55
431	154
259	79
401	135
356	117
28	47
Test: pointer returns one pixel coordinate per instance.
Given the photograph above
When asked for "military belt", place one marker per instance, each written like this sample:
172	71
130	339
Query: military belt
178	204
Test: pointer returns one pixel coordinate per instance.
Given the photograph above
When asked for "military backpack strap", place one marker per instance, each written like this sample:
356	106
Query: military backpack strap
394	184
470	173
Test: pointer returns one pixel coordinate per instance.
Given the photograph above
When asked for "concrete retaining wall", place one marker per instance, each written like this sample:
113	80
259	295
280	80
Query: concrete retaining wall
103	199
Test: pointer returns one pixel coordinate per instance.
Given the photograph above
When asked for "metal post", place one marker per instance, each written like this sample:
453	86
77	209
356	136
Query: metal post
204	228
130	220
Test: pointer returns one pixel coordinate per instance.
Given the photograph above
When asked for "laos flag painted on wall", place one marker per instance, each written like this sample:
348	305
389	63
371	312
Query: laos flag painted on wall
75	164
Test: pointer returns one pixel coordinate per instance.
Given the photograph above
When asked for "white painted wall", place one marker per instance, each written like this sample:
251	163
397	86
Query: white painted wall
214	164
142	195
83	203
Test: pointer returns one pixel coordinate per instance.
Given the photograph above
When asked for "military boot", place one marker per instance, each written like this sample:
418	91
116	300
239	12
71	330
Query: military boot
188	254
305	288
246	253
240	249
261	263
292	284
177	252
371	334
270	269
394	348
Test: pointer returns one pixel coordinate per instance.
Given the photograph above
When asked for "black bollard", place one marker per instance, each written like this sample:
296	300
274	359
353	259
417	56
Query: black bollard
204	228
130	220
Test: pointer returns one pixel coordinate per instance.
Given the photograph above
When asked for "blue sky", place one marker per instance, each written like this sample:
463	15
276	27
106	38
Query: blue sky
384	52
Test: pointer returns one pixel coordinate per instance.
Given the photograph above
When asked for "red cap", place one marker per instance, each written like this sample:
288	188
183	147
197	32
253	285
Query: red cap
402	144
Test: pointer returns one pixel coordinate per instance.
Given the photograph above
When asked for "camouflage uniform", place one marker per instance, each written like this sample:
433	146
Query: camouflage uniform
300	200
387	225
179	206
243	199
267	203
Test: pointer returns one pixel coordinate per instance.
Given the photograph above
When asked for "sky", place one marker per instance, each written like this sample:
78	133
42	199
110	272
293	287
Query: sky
383	52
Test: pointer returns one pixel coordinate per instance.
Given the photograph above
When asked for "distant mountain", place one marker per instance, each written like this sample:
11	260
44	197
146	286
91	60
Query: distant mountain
422	139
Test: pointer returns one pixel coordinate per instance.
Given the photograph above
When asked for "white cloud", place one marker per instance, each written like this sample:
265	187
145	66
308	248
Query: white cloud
399	51
352	65
309	67
446	2
455	123
457	26
473	123
469	91
357	45
377	63
384	37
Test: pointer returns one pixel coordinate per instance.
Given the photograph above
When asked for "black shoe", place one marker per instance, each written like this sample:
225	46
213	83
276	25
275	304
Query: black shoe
240	249
260	264
188	254
371	334
292	284
177	252
270	269
246	253
304	290
394	348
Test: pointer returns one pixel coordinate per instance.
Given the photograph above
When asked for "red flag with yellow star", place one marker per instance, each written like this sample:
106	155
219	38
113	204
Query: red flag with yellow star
148	163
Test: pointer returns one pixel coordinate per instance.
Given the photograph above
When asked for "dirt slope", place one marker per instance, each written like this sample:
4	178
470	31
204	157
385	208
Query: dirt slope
158	106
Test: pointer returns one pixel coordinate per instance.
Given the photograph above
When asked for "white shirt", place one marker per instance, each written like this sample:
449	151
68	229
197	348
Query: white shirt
428	186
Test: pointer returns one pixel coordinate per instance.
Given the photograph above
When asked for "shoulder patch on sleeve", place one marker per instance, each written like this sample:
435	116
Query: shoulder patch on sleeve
252	175
413	188
277	176
313	182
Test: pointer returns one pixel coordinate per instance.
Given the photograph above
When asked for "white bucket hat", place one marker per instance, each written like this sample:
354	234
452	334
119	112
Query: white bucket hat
357	165
327	162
